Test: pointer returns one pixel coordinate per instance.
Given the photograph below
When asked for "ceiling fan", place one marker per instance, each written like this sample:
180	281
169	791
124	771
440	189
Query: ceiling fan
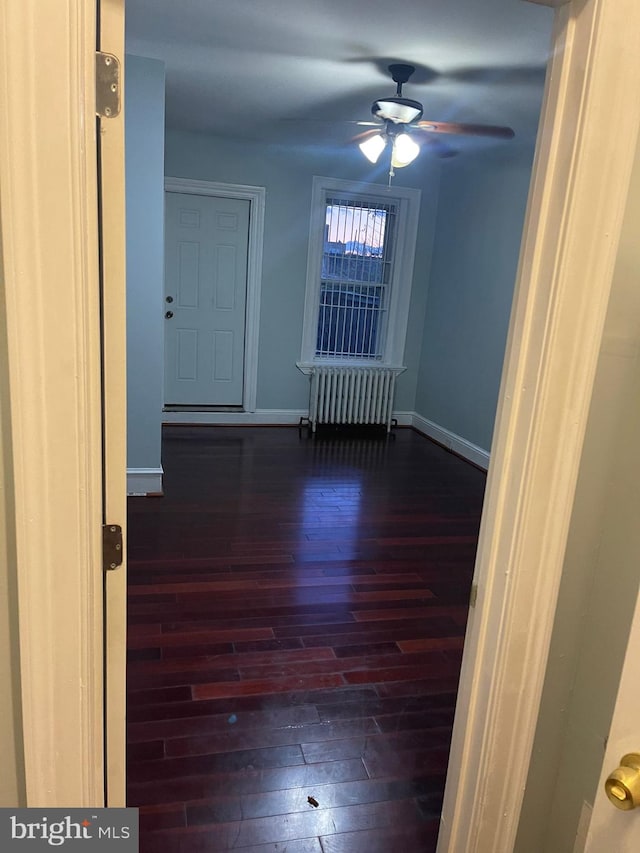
399	119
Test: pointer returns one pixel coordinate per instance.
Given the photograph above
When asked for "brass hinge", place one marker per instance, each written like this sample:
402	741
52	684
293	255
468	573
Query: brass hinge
474	595
108	100
111	546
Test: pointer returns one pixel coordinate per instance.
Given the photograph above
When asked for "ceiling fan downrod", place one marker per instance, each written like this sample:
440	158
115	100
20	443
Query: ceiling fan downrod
400	73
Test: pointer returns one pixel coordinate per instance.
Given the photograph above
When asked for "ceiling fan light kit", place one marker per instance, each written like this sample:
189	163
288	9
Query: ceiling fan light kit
373	147
404	150
400	115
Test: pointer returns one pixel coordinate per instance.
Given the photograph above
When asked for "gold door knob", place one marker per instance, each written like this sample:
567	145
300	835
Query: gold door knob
623	785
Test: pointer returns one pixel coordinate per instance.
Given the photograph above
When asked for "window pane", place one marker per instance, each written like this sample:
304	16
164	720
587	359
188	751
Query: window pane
349	321
356	267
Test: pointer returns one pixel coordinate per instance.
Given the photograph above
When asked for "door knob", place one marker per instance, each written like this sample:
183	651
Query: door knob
623	785
169	315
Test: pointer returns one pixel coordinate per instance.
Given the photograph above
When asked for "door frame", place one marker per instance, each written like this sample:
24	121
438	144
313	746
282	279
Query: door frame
57	523
112	202
574	217
50	278
256	196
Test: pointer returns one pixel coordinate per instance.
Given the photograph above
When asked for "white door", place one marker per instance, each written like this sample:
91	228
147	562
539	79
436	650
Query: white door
614	830
206	245
611	829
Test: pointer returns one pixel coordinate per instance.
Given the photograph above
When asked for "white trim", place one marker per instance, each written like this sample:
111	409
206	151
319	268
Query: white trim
114	345
451	441
570	240
144	481
256	196
307	367
404	256
50	271
261	417
403	419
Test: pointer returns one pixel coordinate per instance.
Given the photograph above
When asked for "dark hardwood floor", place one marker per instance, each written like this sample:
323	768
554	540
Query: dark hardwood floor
296	617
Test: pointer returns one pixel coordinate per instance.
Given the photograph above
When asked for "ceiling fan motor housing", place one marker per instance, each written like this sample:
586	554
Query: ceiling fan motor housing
397	110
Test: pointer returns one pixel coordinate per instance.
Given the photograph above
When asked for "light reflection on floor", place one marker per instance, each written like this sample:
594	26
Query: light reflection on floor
329	516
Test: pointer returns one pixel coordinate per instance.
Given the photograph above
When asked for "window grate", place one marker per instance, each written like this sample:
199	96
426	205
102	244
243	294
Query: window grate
357	268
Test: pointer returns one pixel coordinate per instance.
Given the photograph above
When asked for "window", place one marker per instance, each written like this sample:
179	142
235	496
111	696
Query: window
360	267
357	260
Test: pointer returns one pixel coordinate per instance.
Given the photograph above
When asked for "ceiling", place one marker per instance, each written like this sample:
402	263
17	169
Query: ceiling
297	72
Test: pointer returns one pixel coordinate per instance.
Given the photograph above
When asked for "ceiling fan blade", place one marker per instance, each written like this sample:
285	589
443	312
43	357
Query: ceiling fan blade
466	129
359	137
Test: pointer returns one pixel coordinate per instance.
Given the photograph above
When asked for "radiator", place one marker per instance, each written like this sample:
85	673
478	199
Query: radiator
351	395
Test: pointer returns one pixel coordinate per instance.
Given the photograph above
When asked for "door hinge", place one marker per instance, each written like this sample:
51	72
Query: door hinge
474	595
108	85
111	546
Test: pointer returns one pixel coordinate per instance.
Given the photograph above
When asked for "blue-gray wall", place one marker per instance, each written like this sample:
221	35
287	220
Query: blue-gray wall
287	176
144	114
481	208
469	234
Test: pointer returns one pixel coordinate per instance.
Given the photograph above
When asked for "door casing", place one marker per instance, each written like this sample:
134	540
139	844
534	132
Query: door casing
572	227
49	219
111	181
256	197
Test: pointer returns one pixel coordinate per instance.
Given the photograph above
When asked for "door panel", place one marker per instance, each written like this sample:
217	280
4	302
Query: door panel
611	829
205	291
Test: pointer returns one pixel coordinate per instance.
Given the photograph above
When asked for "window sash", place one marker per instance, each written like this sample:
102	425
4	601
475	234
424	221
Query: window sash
355	277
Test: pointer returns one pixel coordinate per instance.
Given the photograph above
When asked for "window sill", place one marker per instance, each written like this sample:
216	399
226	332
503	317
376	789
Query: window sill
307	367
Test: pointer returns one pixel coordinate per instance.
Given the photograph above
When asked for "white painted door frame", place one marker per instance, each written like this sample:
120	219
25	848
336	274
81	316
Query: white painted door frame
114	341
50	278
256	197
575	210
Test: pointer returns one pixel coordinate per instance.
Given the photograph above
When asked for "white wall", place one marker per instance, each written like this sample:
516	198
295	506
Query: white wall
144	88
596	601
287	176
481	208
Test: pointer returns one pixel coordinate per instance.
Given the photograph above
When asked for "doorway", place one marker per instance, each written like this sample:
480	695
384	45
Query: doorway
213	258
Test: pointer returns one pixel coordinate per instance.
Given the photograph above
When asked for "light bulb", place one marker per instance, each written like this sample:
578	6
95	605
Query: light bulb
373	147
405	150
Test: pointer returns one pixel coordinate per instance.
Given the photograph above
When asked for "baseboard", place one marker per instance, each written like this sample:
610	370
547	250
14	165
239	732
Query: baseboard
291	417
261	417
451	441
403	419
144	481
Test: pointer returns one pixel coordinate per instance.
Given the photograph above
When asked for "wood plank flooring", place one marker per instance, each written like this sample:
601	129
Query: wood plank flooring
296	617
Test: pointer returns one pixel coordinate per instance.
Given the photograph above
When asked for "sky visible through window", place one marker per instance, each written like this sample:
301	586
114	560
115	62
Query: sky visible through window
360	229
